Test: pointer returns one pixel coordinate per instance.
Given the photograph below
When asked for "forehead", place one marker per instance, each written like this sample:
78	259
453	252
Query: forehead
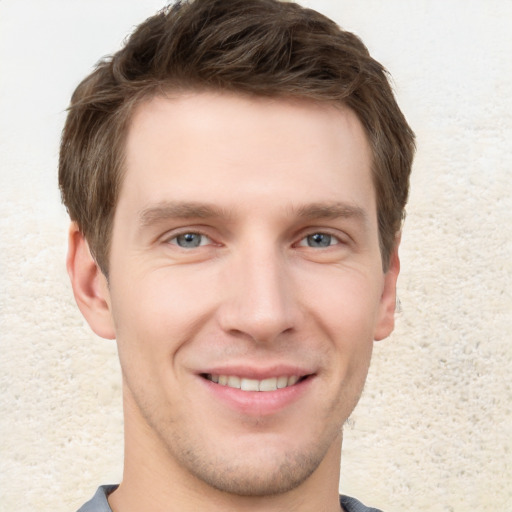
218	147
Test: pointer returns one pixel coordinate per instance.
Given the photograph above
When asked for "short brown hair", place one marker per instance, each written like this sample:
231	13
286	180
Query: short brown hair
255	47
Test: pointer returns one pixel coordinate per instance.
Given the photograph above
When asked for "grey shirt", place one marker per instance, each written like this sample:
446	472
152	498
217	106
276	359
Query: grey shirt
99	502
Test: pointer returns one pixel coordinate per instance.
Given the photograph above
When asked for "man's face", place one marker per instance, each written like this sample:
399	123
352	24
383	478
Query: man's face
245	254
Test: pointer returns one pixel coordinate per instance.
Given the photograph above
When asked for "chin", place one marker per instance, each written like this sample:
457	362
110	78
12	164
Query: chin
266	468
253	478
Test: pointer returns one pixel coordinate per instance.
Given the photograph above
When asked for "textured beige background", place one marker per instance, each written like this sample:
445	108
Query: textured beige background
433	430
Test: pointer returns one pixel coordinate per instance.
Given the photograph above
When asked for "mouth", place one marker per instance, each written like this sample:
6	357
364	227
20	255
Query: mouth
264	385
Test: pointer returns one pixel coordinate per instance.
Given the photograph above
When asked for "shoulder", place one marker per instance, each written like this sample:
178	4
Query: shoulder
353	505
99	502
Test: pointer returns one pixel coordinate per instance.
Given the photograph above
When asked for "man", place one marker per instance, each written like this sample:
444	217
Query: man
236	177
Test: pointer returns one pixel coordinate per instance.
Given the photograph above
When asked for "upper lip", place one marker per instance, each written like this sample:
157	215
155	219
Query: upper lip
258	373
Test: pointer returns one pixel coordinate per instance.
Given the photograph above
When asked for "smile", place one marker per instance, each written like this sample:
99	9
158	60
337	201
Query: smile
244	384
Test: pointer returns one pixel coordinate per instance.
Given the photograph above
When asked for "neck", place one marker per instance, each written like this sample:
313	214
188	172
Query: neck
154	480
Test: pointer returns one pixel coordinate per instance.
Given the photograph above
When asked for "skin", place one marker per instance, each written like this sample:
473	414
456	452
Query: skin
286	277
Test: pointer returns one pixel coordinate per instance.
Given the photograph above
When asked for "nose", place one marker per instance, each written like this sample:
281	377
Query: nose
259	302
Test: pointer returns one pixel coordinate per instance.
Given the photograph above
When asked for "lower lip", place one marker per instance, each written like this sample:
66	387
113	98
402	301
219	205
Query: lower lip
258	403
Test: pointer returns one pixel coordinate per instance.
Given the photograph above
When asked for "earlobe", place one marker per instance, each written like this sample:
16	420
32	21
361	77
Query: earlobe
89	285
386	321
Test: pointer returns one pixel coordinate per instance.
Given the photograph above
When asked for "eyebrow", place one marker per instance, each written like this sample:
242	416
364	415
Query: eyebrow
178	210
192	210
339	210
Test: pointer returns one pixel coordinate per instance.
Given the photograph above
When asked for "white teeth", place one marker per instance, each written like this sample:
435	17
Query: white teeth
293	380
268	384
271	384
282	382
234	382
249	385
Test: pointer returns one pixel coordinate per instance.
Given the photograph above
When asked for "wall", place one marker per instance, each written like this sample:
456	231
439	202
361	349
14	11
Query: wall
434	427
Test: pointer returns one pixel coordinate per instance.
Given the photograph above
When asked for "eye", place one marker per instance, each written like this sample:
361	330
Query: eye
319	240
190	240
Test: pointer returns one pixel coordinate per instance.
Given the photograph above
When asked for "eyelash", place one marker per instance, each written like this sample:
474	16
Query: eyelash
174	240
303	242
330	237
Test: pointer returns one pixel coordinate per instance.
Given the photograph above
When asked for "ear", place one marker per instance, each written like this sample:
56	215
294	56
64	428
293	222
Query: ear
90	286
387	307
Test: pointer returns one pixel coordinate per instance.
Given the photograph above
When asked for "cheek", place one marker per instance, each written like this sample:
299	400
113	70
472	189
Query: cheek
161	310
346	312
345	302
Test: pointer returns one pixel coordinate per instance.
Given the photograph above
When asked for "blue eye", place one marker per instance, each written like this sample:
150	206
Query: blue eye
190	240
318	240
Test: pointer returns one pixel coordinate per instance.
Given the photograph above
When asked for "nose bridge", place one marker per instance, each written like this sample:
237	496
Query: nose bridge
260	302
